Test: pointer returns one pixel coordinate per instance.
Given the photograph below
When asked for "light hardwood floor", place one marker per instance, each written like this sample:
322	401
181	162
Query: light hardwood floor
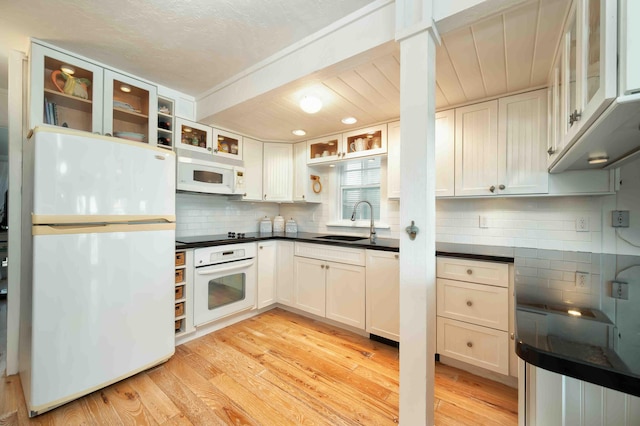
275	369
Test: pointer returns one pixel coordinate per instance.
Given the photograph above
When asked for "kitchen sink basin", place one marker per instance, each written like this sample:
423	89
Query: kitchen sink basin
341	238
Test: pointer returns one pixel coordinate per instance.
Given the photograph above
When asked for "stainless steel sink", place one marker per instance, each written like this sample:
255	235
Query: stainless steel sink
342	238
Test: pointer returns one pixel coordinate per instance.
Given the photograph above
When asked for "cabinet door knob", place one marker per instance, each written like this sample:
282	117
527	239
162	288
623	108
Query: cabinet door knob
501	187
469	271
469	302
513	337
492	188
209	149
469	344
322	266
397	256
265	196
244	195
261	249
303	196
327	266
551	151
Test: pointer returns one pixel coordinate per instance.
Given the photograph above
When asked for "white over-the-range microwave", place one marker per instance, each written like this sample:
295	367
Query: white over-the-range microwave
209	177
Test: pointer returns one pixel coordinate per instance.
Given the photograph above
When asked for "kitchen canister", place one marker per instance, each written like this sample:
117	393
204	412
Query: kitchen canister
278	224
265	226
291	227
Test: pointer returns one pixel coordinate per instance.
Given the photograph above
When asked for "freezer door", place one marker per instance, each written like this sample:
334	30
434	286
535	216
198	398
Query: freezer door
103	307
77	173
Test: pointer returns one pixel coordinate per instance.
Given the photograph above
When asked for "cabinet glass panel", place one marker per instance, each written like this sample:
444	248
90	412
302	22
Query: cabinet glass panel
228	145
225	290
165	123
68	95
130	112
322	149
593	48
193	137
572	71
364	142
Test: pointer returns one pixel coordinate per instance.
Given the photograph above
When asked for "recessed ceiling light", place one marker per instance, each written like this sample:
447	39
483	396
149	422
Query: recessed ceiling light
310	104
574	312
125	88
598	160
299	132
187	129
220	138
349	120
67	69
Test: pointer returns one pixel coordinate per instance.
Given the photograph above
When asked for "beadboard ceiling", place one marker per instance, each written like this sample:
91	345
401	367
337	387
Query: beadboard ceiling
509	52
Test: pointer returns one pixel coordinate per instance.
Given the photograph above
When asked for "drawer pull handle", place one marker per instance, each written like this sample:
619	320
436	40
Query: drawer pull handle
469	271
513	337
469	344
469	303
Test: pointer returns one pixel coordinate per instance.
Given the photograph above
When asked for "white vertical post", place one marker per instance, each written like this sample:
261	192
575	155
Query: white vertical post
417	260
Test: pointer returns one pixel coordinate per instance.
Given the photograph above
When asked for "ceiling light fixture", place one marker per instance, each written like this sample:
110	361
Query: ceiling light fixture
125	88
310	104
349	120
299	132
67	69
599	160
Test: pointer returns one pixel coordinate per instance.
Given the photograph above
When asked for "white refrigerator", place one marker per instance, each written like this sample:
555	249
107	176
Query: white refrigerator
97	297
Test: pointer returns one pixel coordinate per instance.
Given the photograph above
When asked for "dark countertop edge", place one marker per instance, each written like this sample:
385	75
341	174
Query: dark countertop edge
356	244
587	372
491	258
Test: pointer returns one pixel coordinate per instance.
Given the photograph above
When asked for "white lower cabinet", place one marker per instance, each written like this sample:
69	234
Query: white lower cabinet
267	255
284	272
329	282
383	294
551	399
473	310
309	290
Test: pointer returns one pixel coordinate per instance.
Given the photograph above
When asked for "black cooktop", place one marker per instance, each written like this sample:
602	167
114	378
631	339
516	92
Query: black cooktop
231	236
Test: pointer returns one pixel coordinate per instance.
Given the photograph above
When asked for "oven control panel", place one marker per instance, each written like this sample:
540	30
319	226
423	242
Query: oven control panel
225	253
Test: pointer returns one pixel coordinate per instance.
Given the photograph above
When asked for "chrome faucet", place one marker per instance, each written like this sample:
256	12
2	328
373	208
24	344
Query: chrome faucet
372	230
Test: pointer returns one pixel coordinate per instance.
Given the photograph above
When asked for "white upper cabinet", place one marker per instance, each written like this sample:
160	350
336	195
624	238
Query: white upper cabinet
476	165
194	136
393	160
355	144
277	173
445	153
305	184
227	144
522	133
325	149
252	170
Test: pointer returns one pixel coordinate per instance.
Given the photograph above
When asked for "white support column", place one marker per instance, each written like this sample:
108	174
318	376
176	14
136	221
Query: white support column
417	260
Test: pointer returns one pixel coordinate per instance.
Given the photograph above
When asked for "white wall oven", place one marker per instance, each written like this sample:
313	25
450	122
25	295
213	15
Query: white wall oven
225	281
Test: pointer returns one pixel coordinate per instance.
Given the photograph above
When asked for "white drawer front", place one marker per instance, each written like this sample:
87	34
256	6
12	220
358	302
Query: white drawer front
332	253
476	271
480	346
475	303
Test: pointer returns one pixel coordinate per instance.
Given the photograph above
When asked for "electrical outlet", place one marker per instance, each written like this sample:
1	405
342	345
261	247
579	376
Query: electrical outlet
619	290
582	224
483	222
582	279
620	218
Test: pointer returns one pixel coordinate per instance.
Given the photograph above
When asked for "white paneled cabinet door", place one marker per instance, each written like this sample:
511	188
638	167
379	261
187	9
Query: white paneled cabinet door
284	272
522	133
393	160
346	294
252	170
309	285
445	153
302	182
383	294
476	149
267	256
277	172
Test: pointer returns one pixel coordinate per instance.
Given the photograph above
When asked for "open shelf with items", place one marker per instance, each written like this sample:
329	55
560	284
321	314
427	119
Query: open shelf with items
180	292
165	123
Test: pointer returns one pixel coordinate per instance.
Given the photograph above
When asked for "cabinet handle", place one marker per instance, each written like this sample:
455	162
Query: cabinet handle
322	266
303	196
265	197
469	271
469	302
469	344
501	187
215	150
551	151
574	117
513	337
244	195
260	247
327	266
492	188
397	256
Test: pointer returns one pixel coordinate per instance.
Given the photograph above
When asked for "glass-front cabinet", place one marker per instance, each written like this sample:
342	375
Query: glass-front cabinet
65	91
193	136
227	144
128	112
365	142
328	148
165	123
584	76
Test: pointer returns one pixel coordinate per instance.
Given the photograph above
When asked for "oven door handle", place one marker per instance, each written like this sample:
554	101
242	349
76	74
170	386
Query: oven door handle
216	269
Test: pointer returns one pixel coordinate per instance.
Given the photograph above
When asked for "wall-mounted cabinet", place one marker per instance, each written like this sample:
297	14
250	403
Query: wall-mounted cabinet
227	145
194	136
277	172
252	170
306	184
70	92
165	122
325	149
345	146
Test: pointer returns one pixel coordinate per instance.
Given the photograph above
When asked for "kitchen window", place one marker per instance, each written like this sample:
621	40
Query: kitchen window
360	180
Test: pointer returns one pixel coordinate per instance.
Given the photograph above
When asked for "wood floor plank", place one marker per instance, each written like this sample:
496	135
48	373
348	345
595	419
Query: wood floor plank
277	368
